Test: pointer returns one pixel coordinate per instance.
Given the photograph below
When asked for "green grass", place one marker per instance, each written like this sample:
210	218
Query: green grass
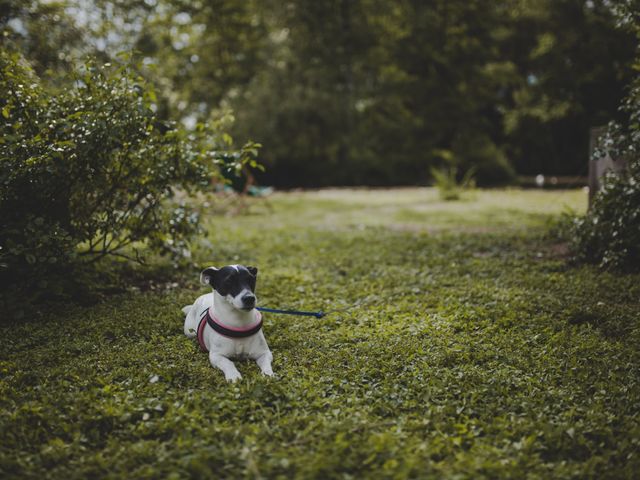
480	353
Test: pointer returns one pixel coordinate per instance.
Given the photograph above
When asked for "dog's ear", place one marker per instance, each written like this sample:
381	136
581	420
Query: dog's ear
253	271
206	276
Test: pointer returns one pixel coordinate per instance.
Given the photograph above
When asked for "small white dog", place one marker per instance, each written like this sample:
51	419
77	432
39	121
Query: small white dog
226	322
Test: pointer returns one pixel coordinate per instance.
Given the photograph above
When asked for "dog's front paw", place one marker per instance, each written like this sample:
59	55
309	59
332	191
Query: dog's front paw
232	376
267	372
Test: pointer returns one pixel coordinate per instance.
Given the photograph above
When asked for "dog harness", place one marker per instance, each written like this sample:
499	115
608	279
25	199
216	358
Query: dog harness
207	318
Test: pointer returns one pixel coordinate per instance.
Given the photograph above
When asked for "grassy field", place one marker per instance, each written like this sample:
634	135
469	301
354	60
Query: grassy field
478	352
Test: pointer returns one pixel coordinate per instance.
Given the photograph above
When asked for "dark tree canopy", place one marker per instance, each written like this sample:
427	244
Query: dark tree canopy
366	91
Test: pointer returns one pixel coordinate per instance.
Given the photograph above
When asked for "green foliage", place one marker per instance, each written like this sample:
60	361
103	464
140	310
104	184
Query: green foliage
446	180
609	234
91	171
478	355
570	82
476	151
379	93
45	33
355	92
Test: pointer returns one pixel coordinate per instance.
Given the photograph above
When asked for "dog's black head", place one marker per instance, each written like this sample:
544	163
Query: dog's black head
236	283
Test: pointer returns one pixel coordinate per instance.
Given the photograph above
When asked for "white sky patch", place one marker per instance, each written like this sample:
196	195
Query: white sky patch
17	25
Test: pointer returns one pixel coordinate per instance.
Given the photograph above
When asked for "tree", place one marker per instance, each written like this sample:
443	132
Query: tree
573	65
373	92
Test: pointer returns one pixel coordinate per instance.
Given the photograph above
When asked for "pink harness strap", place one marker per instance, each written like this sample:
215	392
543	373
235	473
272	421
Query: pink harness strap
201	325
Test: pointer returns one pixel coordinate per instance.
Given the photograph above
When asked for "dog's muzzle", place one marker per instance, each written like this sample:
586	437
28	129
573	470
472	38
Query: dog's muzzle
249	301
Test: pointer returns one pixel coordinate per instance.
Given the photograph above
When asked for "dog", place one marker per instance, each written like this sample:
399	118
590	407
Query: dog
226	321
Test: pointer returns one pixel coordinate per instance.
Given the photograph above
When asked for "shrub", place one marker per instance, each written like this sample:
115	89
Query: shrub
446	181
609	234
90	172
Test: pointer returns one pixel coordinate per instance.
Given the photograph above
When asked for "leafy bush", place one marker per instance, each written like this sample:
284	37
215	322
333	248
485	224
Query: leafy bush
609	234
449	183
91	171
446	180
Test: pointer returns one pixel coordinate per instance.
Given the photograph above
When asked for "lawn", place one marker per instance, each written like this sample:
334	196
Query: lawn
477	352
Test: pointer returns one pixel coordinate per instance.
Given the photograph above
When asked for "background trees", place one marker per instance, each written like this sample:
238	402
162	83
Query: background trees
364	91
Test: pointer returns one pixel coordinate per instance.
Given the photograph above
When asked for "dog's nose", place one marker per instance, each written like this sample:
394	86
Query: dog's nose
249	300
